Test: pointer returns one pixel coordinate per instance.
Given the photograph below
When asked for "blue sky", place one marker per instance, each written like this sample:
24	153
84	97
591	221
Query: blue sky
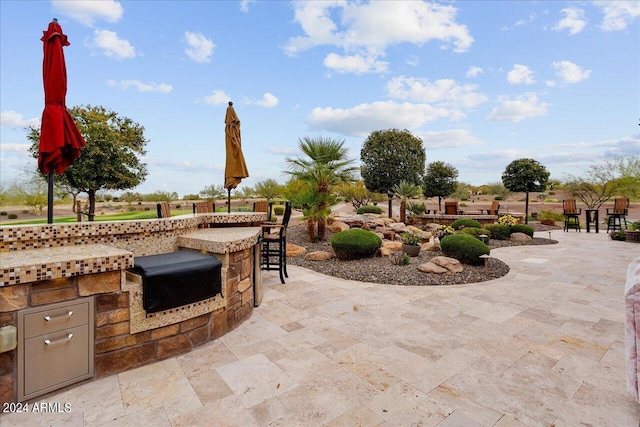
482	83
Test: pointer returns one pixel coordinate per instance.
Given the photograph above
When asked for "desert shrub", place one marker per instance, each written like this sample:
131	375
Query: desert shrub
3	213
522	228
465	248
278	210
498	231
399	258
369	209
547	221
476	232
409	238
551	215
147	208
618	235
551	200
12	216
355	243
498	198
464	223
415	209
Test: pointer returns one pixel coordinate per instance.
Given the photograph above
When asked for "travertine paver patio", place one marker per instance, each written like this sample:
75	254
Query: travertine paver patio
541	346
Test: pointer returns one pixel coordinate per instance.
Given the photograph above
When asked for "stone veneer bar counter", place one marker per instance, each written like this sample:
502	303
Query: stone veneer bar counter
54	263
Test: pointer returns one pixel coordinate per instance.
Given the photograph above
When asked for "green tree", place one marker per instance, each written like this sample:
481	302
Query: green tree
390	156
617	176
325	165
525	175
496	188
213	192
31	192
405	190
440	181
356	194
111	159
269	189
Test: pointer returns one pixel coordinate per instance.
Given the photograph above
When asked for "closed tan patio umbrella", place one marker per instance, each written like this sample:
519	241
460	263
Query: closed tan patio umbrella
235	168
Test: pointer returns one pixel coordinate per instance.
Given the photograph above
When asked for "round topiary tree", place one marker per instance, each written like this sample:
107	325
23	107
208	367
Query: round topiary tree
369	209
465	222
522	228
355	243
465	248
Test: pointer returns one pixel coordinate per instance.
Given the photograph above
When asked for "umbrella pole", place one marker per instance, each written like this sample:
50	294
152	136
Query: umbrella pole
50	198
229	200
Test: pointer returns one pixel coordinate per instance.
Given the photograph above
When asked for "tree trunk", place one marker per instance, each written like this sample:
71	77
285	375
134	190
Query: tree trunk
526	208
390	206
311	230
92	204
403	211
439	203
322	221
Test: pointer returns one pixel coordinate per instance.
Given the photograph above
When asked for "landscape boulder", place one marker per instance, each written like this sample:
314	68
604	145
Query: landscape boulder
520	237
295	250
429	267
318	256
451	264
339	226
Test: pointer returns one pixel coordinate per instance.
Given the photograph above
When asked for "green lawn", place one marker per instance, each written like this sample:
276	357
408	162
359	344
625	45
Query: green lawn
124	216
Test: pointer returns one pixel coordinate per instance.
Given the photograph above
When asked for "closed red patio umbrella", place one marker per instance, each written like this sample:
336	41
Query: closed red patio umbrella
60	139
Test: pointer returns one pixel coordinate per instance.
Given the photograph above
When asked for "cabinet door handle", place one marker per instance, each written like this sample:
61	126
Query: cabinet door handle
64	316
60	341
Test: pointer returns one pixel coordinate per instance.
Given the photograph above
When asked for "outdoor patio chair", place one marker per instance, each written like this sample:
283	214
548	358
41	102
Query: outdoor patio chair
617	215
164	211
493	210
204	207
571	214
274	244
451	208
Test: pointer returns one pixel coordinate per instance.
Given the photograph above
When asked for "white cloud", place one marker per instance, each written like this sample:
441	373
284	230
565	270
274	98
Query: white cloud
522	107
88	11
449	139
570	72
521	74
573	21
474	71
268	101
443	92
199	47
217	97
244	5
141	87
112	45
413	60
14	148
618	14
356	64
11	119
364	118
366	29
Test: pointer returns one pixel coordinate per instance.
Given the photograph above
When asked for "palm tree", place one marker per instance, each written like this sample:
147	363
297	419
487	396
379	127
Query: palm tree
405	190
325	165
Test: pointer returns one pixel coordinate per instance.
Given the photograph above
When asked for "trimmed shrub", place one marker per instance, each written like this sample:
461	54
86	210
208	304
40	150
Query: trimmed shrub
465	222
12	216
278	210
369	209
522	228
476	232
465	248
355	243
3	213
498	231
551	215
547	221
498	198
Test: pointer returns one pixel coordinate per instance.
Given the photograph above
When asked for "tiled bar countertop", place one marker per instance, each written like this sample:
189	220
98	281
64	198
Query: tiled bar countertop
220	240
34	265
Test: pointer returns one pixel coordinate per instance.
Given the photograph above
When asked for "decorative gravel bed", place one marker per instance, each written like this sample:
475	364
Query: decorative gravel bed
382	270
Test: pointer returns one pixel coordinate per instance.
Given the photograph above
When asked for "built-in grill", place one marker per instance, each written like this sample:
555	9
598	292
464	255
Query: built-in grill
177	278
